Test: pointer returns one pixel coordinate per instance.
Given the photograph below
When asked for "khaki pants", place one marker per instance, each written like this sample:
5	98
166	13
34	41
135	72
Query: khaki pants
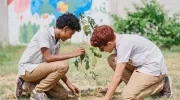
138	85
46	78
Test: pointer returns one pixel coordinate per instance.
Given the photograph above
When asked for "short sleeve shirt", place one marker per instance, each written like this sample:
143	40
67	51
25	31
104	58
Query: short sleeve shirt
32	56
140	52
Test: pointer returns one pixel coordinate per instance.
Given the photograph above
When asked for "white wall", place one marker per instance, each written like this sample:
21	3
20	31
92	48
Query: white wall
119	6
3	25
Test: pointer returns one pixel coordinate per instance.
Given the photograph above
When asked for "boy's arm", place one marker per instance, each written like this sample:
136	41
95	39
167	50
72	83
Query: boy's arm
115	81
66	80
73	88
51	58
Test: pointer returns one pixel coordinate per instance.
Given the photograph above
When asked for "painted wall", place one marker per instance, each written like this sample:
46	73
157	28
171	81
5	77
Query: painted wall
27	16
4	22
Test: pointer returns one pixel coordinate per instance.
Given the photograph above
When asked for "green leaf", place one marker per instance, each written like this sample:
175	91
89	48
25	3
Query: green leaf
94	62
86	29
87	65
82	58
76	64
97	55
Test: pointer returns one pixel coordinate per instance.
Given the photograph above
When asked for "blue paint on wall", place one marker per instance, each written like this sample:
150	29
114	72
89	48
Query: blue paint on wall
75	6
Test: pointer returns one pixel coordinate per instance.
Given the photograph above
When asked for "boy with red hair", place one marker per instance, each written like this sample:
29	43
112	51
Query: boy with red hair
136	61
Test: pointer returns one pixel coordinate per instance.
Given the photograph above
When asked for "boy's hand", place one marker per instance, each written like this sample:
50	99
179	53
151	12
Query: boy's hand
78	52
74	89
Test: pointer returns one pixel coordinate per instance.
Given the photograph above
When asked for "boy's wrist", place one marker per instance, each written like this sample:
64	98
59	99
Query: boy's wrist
107	98
69	84
72	55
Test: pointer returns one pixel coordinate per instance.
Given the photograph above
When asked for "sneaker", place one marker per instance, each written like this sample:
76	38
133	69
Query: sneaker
19	89
167	88
28	86
39	96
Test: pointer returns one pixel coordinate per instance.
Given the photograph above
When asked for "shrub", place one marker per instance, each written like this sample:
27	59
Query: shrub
152	21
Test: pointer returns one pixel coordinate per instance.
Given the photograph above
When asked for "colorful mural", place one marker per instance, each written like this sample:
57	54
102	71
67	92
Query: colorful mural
27	31
33	14
58	7
9	1
21	5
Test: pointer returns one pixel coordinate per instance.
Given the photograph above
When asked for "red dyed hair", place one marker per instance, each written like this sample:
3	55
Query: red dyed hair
102	35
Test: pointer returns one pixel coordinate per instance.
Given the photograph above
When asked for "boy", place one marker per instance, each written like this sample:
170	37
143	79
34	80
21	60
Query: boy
42	64
136	61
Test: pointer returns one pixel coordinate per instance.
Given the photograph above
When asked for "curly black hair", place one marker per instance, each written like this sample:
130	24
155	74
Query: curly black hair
70	20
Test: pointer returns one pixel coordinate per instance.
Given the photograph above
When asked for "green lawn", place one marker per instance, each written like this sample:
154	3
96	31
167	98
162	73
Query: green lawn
10	55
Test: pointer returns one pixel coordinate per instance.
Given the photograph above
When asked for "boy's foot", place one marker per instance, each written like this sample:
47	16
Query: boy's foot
19	89
28	87
39	96
167	88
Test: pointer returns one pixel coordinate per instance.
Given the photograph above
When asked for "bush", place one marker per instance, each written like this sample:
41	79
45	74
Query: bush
152	21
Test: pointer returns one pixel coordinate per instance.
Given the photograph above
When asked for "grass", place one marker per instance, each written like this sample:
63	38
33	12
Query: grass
10	55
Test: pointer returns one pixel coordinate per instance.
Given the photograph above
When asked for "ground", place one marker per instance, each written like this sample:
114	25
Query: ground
10	55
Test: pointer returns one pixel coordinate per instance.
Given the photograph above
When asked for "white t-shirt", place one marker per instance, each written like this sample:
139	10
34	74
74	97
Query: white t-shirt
32	56
140	52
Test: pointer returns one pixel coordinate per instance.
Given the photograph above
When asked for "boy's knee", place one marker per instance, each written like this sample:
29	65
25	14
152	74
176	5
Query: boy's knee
127	95
63	67
111	59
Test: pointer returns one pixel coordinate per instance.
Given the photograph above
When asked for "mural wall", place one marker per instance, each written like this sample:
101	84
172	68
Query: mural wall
27	16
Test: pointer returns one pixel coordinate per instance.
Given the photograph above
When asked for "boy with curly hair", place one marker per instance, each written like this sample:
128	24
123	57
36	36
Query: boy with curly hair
42	64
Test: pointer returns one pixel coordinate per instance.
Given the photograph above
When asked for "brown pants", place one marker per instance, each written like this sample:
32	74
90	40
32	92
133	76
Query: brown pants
138	85
46	78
